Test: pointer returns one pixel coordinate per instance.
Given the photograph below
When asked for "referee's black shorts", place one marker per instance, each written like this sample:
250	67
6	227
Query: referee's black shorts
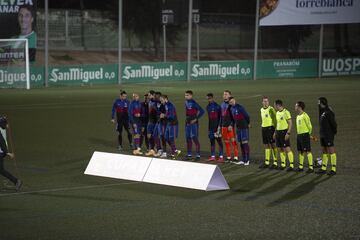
303	142
280	139
327	141
267	134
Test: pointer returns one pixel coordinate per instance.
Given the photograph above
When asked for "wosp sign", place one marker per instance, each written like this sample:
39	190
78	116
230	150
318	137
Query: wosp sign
341	66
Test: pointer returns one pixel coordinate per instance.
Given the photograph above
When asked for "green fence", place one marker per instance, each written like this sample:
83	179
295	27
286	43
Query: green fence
177	71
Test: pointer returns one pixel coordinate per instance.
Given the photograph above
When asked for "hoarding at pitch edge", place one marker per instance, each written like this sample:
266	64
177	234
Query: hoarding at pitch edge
307	12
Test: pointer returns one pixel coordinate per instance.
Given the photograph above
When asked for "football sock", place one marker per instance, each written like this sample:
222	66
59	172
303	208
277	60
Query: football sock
219	141
333	159
301	160
291	158
283	159
189	146
324	161
236	150
197	145
228	149
310	160
274	154
163	143
267	156
120	139
212	146
247	151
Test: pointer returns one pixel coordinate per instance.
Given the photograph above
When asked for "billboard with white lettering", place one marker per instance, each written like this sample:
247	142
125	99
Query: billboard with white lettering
307	12
18	21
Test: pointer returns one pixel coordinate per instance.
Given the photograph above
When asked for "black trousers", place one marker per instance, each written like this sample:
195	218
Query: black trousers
4	172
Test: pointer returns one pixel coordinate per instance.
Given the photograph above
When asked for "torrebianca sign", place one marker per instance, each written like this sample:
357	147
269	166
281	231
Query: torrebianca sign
301	12
341	66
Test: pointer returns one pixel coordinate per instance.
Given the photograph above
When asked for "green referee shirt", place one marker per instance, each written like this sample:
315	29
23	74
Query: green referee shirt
282	118
268	117
303	123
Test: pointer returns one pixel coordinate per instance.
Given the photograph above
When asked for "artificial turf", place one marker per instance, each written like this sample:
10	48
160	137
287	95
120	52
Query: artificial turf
56	130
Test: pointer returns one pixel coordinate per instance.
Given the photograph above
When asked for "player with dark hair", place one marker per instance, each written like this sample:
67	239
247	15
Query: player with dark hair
144	117
151	123
214	115
227	128
159	131
193	113
282	135
172	124
304	129
120	108
328	130
268	123
135	122
4	152
242	122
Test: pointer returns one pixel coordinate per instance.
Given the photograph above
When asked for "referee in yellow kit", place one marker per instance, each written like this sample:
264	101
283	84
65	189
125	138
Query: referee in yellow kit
268	122
304	129
282	135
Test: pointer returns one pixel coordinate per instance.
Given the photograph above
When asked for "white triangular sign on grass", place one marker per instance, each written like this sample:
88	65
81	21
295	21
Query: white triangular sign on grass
217	181
118	166
206	177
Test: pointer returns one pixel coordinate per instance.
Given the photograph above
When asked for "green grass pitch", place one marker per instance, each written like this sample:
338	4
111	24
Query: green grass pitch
56	130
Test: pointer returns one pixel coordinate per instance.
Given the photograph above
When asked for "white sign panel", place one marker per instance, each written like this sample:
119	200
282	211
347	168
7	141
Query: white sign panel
306	12
199	176
118	166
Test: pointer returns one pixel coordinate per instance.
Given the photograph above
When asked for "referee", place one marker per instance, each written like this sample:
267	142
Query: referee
328	130
268	123
304	129
282	135
5	153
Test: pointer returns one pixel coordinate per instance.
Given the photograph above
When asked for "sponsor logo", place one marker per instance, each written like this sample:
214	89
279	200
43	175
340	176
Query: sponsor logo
76	74
341	66
12	6
153	72
218	70
323	3
11	77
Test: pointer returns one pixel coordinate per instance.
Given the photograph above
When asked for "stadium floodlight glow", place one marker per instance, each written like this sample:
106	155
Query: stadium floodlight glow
14	63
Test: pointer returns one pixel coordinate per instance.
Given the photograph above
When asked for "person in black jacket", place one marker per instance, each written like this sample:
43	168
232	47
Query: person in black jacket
4	153
328	130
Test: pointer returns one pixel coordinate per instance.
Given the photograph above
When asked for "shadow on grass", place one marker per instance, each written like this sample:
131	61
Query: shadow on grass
102	142
299	191
250	182
165	191
287	179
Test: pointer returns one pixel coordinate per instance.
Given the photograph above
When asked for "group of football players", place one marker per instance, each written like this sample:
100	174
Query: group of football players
154	121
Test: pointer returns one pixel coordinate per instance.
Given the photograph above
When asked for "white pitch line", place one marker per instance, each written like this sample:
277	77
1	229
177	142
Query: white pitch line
89	187
66	189
252	96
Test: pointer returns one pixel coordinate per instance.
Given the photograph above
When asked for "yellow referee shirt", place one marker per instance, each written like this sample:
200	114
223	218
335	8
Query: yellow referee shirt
303	123
268	117
281	119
